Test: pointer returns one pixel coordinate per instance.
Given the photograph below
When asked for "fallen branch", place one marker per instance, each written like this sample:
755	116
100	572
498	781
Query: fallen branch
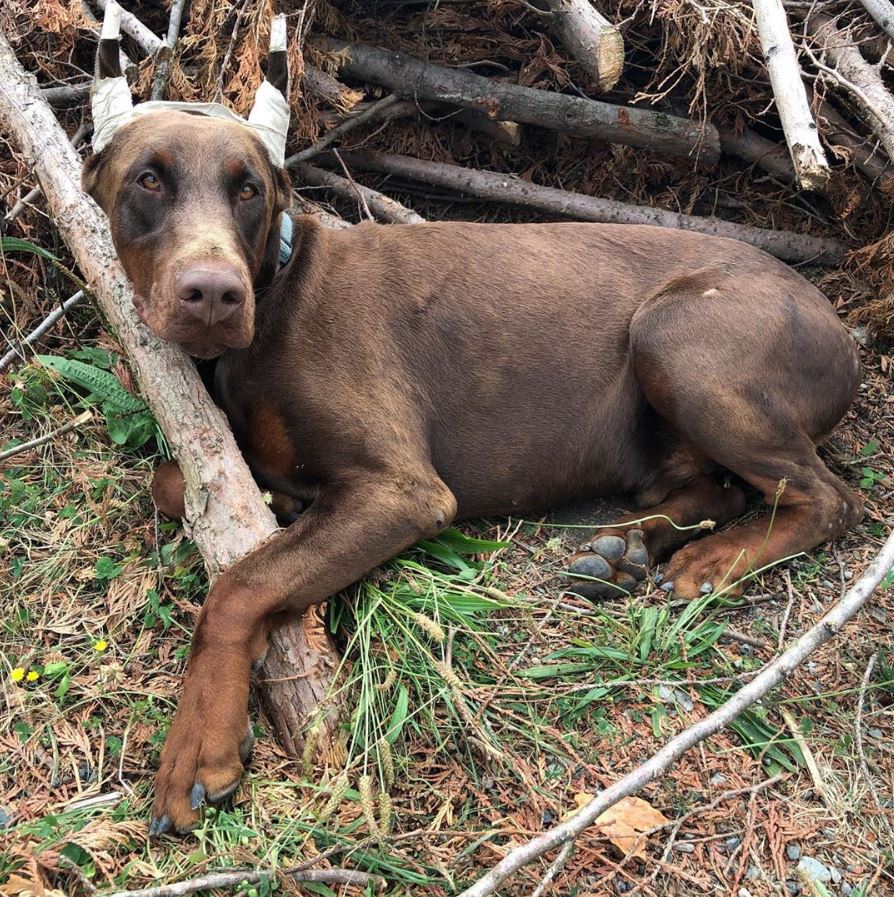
417	79
135	29
855	75
590	38
883	13
383	207
759	151
324	87
166	58
47	437
512	189
40	330
800	131
231	878
224	510
771	675
66	93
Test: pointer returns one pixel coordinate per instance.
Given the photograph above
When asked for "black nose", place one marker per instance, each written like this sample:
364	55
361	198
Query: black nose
210	293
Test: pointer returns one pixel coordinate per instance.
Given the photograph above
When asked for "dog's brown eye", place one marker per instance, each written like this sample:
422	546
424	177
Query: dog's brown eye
149	181
248	191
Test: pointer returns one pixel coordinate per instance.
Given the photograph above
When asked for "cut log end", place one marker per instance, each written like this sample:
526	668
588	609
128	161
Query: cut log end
811	168
609	56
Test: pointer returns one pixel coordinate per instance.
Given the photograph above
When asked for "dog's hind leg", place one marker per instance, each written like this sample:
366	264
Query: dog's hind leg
753	383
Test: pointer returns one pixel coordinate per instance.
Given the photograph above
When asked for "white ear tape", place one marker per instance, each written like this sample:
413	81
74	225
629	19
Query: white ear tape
111	22
278	36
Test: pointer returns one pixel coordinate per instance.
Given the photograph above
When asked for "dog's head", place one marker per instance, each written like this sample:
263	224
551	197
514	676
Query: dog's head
194	202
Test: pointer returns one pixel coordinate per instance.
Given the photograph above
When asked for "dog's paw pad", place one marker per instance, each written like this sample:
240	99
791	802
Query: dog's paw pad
613	565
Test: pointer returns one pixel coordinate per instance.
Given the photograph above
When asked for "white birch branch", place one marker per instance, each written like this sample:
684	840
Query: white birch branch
772	674
801	135
883	13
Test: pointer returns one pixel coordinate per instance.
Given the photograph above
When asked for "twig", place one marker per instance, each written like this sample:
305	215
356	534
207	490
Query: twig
788	610
166	58
809	759
218	93
772	674
418	79
47	437
744	638
512	189
556	867
385	208
798	125
40	330
375	111
858	737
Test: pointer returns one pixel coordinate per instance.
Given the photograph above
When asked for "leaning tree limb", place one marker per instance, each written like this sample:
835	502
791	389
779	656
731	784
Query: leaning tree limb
883	13
860	79
788	246
166	58
772	675
326	88
800	131
590	38
418	79
225	513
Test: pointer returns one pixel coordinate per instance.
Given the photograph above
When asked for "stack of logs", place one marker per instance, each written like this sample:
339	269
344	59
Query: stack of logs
221	488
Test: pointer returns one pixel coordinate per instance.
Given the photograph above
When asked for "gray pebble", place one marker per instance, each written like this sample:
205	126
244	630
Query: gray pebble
874	733
836	874
733	842
5	817
846	889
685	848
717	779
814	869
793	852
793	887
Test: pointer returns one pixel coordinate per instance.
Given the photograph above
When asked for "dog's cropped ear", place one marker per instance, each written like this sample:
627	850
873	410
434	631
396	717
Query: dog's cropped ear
93	180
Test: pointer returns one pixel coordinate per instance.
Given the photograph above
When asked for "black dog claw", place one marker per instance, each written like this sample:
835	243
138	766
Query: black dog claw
197	796
159	826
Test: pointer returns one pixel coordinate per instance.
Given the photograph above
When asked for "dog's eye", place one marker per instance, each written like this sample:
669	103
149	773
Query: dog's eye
247	192
149	181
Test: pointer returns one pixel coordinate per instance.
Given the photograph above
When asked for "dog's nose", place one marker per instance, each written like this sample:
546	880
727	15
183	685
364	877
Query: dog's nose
210	294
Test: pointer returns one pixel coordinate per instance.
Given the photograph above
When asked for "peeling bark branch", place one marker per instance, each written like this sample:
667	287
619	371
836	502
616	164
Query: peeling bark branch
855	75
225	513
658	764
512	189
418	79
590	38
801	135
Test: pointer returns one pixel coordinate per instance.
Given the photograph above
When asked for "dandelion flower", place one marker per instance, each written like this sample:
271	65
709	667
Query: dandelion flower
32	676
100	645
18	674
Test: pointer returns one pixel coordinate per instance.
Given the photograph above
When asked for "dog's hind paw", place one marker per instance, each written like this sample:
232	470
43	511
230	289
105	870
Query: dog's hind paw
612	565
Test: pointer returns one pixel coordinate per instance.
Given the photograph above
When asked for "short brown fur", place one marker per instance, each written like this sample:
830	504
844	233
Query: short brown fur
395	377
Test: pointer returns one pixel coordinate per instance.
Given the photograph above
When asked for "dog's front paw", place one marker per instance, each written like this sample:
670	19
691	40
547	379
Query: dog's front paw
202	759
613	564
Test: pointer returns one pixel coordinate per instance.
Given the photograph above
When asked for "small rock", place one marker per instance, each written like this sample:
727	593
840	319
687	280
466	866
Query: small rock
814	870
665	694
685	848
5	817
743	892
753	872
622	886
548	817
836	874
793	852
793	887
861	335
846	889
733	842
874	733
684	700
717	779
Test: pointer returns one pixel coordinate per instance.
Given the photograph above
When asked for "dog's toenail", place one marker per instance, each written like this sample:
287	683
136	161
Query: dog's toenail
197	796
585	547
706	588
610	547
668	586
159	826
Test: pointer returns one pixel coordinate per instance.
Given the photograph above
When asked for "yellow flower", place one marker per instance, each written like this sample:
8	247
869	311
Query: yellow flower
18	674
100	646
33	676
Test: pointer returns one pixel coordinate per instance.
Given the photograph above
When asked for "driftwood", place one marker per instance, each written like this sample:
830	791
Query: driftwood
658	764
383	207
590	38
420	80
225	513
856	75
800	130
512	189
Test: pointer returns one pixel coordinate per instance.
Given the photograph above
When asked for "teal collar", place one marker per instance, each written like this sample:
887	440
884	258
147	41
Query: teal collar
286	230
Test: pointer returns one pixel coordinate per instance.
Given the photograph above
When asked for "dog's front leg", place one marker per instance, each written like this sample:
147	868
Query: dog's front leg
348	530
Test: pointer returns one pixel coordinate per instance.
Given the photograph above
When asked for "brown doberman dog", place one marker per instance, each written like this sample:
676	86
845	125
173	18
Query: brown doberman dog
393	378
